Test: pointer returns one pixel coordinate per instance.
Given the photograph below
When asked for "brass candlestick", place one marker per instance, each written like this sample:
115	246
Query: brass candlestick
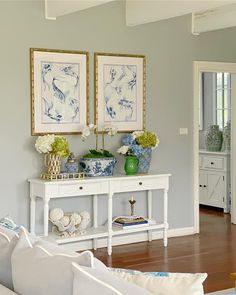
132	203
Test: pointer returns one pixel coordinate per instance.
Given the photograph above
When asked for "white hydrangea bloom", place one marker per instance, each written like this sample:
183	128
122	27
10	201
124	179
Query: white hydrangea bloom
123	149
44	143
157	143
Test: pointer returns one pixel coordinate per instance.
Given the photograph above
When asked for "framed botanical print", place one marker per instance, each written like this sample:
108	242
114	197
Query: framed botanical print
59	91
120	91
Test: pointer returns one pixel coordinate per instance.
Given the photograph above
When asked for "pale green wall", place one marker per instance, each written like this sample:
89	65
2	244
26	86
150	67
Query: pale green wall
170	50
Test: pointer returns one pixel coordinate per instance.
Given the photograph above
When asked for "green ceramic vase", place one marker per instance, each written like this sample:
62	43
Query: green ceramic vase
131	165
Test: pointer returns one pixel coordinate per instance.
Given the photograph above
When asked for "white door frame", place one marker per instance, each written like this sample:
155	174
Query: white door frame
199	67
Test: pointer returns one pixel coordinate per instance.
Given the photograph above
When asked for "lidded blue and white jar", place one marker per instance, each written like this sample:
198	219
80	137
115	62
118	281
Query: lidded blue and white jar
71	166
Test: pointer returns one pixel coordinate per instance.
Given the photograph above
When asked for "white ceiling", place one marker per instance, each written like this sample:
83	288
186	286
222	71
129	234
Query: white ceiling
139	11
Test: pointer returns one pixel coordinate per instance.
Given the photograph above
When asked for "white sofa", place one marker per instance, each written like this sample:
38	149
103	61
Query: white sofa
32	266
5	291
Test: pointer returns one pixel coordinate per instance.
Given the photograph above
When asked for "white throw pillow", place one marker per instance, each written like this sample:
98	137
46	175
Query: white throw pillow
166	283
55	249
44	268
8	240
6	291
92	281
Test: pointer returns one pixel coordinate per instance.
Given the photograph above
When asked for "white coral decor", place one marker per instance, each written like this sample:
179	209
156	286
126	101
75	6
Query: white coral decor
44	143
69	224
56	214
76	218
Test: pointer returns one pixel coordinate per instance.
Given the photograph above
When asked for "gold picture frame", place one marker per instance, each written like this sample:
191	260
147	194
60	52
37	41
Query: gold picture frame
59	91
120	91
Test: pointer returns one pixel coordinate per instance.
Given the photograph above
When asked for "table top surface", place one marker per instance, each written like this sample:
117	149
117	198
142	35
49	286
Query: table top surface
151	174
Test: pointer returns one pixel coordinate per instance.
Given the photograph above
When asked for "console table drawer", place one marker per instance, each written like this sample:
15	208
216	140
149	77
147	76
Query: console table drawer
213	162
83	189
129	185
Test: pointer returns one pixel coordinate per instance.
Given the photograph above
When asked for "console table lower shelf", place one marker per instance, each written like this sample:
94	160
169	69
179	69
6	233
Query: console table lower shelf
109	186
101	232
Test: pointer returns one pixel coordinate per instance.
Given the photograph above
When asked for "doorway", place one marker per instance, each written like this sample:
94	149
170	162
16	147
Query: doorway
207	177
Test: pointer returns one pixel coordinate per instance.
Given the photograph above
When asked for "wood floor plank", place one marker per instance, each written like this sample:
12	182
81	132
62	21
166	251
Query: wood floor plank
212	251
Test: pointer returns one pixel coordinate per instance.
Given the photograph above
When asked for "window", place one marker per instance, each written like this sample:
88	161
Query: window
222	99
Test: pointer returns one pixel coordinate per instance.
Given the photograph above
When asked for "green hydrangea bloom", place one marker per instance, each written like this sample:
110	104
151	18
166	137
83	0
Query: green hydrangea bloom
60	147
147	139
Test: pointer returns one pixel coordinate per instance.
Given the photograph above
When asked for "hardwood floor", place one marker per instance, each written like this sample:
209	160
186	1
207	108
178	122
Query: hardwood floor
212	251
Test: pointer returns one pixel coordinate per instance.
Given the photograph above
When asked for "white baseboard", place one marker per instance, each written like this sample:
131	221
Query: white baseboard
223	292
130	238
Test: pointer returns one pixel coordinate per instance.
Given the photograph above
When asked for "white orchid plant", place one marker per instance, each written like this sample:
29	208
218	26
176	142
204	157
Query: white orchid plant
110	130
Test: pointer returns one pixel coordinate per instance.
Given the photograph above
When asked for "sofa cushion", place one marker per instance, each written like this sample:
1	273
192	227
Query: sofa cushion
159	283
46	266
6	291
97	281
8	240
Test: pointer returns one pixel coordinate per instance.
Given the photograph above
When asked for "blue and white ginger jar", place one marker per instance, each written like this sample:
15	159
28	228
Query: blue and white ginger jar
145	160
71	166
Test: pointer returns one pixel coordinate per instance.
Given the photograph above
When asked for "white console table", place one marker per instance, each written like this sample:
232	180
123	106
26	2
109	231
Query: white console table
109	186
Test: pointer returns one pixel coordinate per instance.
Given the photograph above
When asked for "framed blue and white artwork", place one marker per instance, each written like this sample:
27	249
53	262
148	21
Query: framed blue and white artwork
59	91
120	91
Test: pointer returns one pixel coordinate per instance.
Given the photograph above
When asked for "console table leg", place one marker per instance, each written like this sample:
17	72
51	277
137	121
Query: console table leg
45	216
32	214
165	238
109	241
149	213
95	218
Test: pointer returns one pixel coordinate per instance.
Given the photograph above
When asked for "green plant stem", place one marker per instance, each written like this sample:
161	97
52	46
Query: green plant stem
103	140
96	138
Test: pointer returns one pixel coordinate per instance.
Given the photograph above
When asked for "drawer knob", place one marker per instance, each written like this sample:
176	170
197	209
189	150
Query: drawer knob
140	183
80	187
212	163
204	185
200	185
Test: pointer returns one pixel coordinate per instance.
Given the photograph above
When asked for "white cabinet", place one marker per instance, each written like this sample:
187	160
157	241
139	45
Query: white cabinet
214	185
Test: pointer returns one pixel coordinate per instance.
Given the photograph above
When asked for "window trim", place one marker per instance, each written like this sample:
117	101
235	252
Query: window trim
223	109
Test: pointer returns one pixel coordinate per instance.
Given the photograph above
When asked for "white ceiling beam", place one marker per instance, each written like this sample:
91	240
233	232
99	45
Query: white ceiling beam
56	8
145	11
214	19
46	11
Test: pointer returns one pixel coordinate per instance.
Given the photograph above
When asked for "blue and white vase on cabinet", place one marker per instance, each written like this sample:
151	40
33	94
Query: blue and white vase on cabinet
213	138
